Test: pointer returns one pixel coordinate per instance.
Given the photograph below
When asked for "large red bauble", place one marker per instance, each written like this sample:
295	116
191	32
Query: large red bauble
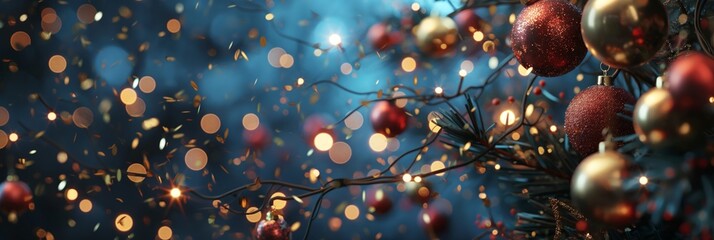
257	138
381	36
388	119
377	201
691	80
15	196
546	36
435	218
273	229
592	111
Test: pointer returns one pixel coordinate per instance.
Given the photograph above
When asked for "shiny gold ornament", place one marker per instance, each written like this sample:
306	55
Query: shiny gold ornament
624	33
663	124
597	189
436	36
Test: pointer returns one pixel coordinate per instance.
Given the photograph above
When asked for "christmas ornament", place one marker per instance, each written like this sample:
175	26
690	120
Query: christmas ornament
419	192
663	125
257	138
388	119
624	33
381	36
468	23
596	188
435	217
436	36
15	196
546	36
273	227
690	79
377	201
316	124
593	110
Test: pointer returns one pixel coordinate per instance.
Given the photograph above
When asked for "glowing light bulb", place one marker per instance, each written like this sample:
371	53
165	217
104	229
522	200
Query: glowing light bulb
644	180
175	193
407	177
335	39
51	116
438	90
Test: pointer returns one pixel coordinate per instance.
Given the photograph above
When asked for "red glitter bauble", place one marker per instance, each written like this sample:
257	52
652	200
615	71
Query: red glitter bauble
257	138
388	119
435	218
592	111
15	196
273	229
377	201
691	80
546	36
381	36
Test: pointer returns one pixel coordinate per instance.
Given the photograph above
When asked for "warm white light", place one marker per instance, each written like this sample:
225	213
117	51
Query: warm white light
323	141
507	117
335	39
462	73
175	193
644	180
51	116
438	90
407	177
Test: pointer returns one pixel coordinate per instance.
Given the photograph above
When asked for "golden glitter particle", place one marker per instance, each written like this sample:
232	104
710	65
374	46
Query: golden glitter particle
335	224
378	142
210	123
352	212
85	205
354	121
86	13
251	121
128	96
279	204
165	233
173	26
13	137
57	64
3	139
136	109
4	116
196	159
71	194
323	141
523	71
20	40
408	64
255	217
123	222
340	153
147	84
82	117
136	172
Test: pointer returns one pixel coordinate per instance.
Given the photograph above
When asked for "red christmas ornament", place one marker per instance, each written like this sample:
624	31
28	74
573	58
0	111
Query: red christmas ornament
546	36
378	201
273	227
257	138
691	80
388	119
593	110
15	196
315	124
468	23
381	36
435	218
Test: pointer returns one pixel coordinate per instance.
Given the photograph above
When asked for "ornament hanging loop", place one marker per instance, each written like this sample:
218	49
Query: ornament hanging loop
605	79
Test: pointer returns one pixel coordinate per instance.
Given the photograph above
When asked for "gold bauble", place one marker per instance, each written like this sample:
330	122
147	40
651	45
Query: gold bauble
597	189
436	36
663	125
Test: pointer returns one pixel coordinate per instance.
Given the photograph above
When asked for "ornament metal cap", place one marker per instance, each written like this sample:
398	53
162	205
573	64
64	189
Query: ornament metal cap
606	145
604	80
661	81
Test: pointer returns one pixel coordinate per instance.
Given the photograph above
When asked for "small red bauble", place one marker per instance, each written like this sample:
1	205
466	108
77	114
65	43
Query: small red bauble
435	218
691	80
15	196
388	119
257	138
272	228
378	201
546	36
468	22
593	110
315	124
382	37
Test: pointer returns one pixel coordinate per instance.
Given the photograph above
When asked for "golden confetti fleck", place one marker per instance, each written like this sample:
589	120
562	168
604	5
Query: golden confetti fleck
57	64
71	194
255	217
123	222
210	123
136	172
351	212
165	233
85	205
279	204
128	96
173	26
251	121
408	64
150	123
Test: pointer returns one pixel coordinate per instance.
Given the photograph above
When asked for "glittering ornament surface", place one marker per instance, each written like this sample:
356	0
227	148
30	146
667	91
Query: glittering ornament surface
597	189
546	36
592	111
436	36
15	196
624	33
275	229
388	119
